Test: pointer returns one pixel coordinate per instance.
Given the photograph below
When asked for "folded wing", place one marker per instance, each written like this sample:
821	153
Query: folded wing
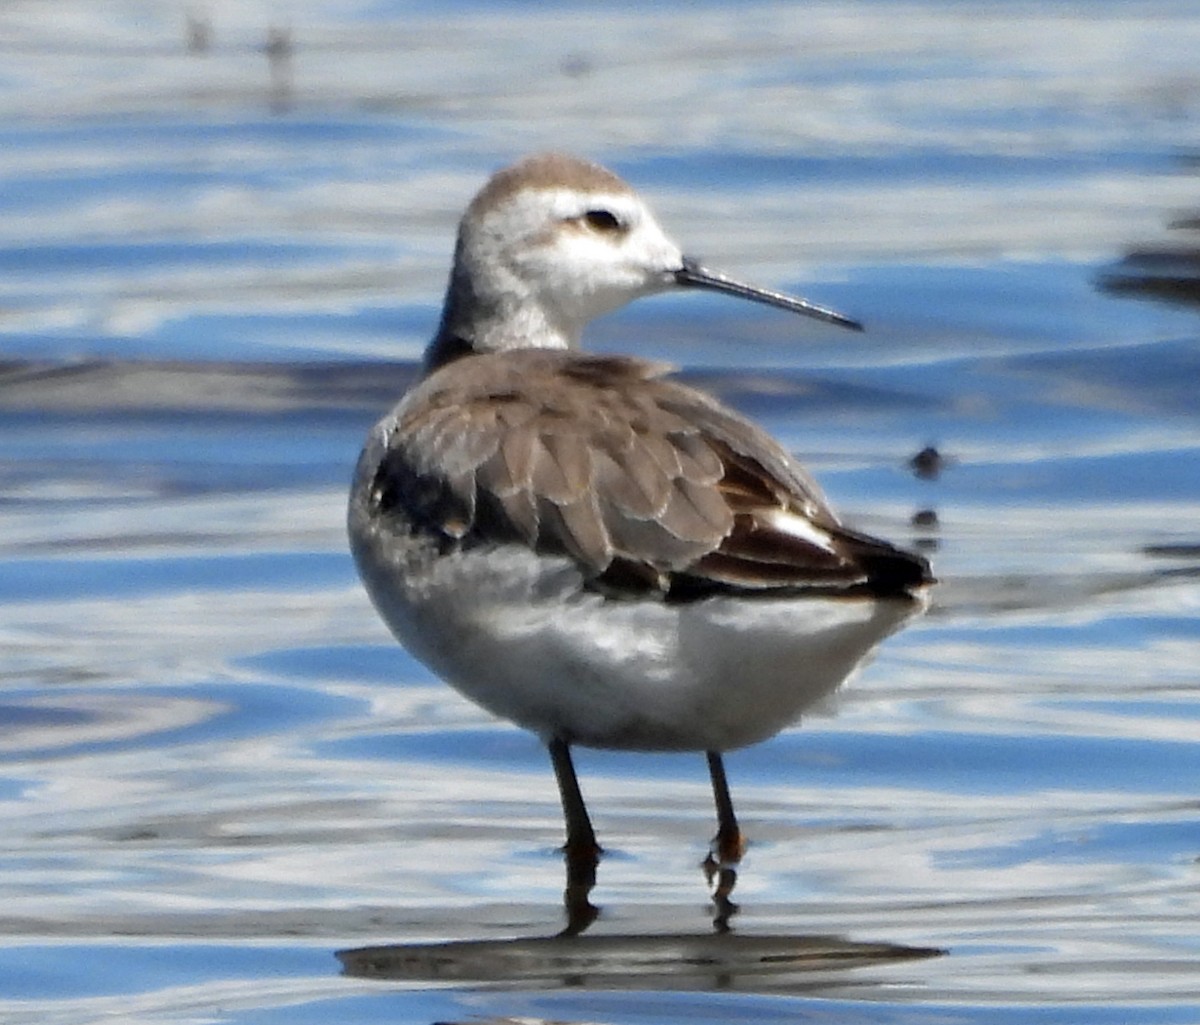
651	487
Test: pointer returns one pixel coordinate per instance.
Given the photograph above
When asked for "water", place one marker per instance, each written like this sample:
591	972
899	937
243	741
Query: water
217	769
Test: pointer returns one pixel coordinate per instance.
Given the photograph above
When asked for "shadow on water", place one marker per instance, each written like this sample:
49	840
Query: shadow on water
117	387
1167	273
176	388
721	961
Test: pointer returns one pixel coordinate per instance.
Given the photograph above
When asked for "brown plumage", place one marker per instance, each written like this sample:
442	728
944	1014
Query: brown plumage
650	486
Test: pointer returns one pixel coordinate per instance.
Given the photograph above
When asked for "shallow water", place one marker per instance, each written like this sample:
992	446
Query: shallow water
216	769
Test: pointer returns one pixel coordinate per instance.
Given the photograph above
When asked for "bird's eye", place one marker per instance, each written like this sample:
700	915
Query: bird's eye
603	221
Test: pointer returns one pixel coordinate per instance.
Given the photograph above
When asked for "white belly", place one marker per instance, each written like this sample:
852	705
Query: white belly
516	633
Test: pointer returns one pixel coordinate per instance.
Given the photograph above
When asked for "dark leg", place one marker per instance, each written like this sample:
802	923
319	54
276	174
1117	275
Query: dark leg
581	850
728	846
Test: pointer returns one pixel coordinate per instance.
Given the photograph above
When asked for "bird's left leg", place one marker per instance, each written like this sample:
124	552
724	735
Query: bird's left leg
581	851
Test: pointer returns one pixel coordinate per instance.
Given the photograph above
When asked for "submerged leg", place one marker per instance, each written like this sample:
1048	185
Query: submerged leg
728	846
581	851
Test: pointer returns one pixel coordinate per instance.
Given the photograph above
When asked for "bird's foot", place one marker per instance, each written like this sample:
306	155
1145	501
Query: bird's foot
581	858
720	871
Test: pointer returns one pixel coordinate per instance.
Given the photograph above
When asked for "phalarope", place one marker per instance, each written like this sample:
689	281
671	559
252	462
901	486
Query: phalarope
587	547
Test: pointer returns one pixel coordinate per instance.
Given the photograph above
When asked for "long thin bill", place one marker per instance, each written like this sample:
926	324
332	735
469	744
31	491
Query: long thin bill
692	275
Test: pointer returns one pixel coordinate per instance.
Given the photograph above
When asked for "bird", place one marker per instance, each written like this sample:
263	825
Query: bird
588	547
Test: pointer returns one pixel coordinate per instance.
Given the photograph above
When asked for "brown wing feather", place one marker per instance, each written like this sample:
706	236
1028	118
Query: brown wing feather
648	485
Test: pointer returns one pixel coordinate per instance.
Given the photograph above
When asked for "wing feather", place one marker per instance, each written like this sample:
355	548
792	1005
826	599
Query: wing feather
648	485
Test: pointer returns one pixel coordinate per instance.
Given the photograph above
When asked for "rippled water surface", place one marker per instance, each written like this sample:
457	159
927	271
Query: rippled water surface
216	769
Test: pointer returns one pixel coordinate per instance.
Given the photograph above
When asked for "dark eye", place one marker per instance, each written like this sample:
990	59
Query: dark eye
602	220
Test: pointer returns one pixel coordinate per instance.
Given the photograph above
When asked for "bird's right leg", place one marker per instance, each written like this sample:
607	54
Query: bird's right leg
728	846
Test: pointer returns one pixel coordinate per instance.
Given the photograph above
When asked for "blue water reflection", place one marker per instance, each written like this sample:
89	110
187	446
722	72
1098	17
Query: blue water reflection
218	769
211	712
59	579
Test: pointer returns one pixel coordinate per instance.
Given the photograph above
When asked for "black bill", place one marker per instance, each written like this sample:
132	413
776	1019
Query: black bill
692	275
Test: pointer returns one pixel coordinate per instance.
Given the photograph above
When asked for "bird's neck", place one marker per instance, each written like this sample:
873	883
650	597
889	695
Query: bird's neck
478	319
